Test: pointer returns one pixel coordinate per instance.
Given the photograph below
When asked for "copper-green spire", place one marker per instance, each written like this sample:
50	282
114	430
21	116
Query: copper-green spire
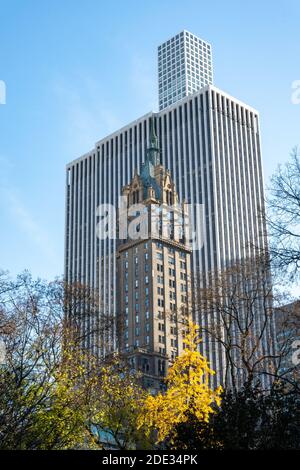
153	149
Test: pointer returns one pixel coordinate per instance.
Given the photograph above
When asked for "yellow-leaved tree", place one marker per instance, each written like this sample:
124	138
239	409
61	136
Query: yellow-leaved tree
188	391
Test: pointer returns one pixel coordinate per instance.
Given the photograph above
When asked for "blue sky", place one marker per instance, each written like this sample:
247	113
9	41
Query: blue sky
77	70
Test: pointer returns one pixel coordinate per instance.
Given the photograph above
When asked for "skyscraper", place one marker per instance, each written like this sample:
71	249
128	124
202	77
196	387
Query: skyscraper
210	142
184	66
154	272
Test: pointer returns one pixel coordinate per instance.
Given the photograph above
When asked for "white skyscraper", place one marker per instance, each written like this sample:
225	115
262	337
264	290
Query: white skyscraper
210	142
184	66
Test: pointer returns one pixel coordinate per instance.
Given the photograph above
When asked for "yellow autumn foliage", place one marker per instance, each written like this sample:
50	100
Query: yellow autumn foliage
188	391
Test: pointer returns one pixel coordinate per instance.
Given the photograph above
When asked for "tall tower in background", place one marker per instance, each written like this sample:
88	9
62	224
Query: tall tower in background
154	272
184	66
210	142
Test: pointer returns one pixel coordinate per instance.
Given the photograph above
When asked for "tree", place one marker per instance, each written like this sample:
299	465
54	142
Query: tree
247	420
236	305
46	378
116	407
188	391
284	216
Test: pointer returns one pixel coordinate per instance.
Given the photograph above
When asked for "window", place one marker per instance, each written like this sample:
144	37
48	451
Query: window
136	283
160	268
146	279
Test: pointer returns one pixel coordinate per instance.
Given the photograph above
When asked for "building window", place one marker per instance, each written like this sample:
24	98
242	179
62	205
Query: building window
160	291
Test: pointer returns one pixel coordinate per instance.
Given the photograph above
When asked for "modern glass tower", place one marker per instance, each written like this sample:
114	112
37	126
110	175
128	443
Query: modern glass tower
184	66
210	143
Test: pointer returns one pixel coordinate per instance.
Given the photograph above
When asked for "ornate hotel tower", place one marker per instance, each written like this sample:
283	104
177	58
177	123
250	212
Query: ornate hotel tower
153	266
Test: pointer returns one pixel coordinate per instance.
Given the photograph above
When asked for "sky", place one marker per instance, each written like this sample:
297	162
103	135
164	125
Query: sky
77	70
